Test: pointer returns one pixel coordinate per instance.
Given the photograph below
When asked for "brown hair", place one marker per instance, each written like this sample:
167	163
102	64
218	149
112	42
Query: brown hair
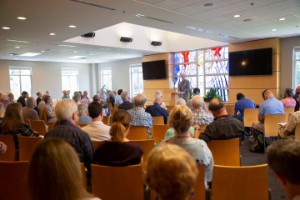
55	172
170	168
12	119
180	119
120	124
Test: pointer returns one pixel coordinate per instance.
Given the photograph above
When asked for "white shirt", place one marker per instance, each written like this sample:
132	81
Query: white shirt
97	131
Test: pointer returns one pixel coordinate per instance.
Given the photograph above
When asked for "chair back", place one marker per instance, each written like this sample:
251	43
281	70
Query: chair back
226	152
27	122
116	106
27	146
297	132
39	126
245	182
288	111
137	133
106	120
13	180
111	183
96	144
84	178
271	124
10	153
230	109
112	112
159	132
170	108
250	116
158	120
198	132
43	115
51	125
82	125
147	146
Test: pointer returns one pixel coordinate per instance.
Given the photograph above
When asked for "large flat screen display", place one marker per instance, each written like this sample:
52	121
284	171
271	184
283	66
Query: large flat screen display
250	62
154	70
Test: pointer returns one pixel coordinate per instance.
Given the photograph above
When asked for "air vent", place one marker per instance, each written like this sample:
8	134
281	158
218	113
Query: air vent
152	18
93	4
247	20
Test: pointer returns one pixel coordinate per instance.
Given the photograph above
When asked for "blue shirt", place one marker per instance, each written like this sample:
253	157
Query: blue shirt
156	110
271	106
242	104
118	100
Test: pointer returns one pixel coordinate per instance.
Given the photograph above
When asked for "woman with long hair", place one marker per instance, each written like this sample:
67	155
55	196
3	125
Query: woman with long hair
55	172
119	151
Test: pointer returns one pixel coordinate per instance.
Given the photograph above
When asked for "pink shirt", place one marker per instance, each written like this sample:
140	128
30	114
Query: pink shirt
288	102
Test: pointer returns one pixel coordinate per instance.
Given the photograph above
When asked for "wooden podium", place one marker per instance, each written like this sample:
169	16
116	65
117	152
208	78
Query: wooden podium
174	97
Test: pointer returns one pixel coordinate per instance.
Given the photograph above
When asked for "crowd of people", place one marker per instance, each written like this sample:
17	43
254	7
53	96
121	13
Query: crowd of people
68	144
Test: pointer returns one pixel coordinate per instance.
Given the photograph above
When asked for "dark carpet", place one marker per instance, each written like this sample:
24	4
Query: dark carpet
250	158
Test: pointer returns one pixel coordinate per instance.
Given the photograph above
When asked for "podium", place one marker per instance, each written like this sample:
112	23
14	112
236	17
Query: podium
174	96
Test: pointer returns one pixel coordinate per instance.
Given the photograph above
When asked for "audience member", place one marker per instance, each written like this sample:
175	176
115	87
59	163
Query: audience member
96	98
156	109
11	97
66	114
118	97
103	100
296	97
13	123
271	106
200	116
180	101
55	172
22	98
97	130
28	112
48	107
241	104
66	94
77	98
85	99
288	100
224	126
284	159
118	150
138	115
4	102
196	91
111	98
181	120
288	129
3	148
171	172
83	114
184	88
126	105
39	98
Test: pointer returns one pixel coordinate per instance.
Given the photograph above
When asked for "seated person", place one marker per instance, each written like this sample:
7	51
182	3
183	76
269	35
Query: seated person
126	104
171	172
181	120
13	123
156	109
83	114
284	159
288	129
196	92
3	148
48	107
55	172
288	100
28	112
224	126
22	98
200	115
241	104
118	150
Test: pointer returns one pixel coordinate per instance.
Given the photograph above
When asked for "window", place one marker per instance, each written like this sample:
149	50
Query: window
69	79
297	66
136	80
106	78
205	69
20	80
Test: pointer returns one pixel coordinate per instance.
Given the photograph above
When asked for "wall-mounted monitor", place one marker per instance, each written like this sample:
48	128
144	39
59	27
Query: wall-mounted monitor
154	70
250	62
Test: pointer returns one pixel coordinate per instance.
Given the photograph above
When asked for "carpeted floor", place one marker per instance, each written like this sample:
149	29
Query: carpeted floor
249	158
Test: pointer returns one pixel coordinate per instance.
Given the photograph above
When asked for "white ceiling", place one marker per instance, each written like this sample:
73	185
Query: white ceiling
190	17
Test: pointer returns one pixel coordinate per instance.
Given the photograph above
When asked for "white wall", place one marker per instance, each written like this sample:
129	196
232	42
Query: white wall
45	76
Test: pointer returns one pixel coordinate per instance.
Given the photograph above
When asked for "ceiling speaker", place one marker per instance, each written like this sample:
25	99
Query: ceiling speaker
156	43
126	39
89	35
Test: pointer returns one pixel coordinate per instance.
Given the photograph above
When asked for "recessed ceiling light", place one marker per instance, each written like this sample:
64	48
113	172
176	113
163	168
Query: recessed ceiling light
17	47
18	41
21	18
5	27
30	54
66	45
281	19
274	29
140	15
237	16
43	51
91	54
52	34
72	26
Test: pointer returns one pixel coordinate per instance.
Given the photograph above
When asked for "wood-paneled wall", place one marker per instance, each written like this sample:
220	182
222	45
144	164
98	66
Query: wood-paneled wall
252	86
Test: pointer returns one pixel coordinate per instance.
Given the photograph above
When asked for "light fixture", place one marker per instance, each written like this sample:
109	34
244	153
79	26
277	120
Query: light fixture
237	16
156	43
30	54
5	28
126	39
274	29
21	18
17	47
72	26
281	19
52	34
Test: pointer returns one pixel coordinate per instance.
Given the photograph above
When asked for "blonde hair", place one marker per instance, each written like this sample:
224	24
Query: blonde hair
120	124
55	172
170	168
180	119
65	109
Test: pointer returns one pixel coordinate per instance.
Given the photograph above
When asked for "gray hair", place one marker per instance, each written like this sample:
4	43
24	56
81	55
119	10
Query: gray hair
197	102
124	96
139	100
65	109
82	108
157	95
30	102
181	102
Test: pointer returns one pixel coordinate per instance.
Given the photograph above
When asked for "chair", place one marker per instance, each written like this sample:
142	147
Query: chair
137	133
271	125
230	109
235	183
147	146
158	132
10	153
39	126
288	111
112	112
297	132
112	183
106	120
116	106
226	152
250	116
13	180
96	144
43	115
27	122
82	125
198	132
51	125
158	120
27	146
169	108
84	178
